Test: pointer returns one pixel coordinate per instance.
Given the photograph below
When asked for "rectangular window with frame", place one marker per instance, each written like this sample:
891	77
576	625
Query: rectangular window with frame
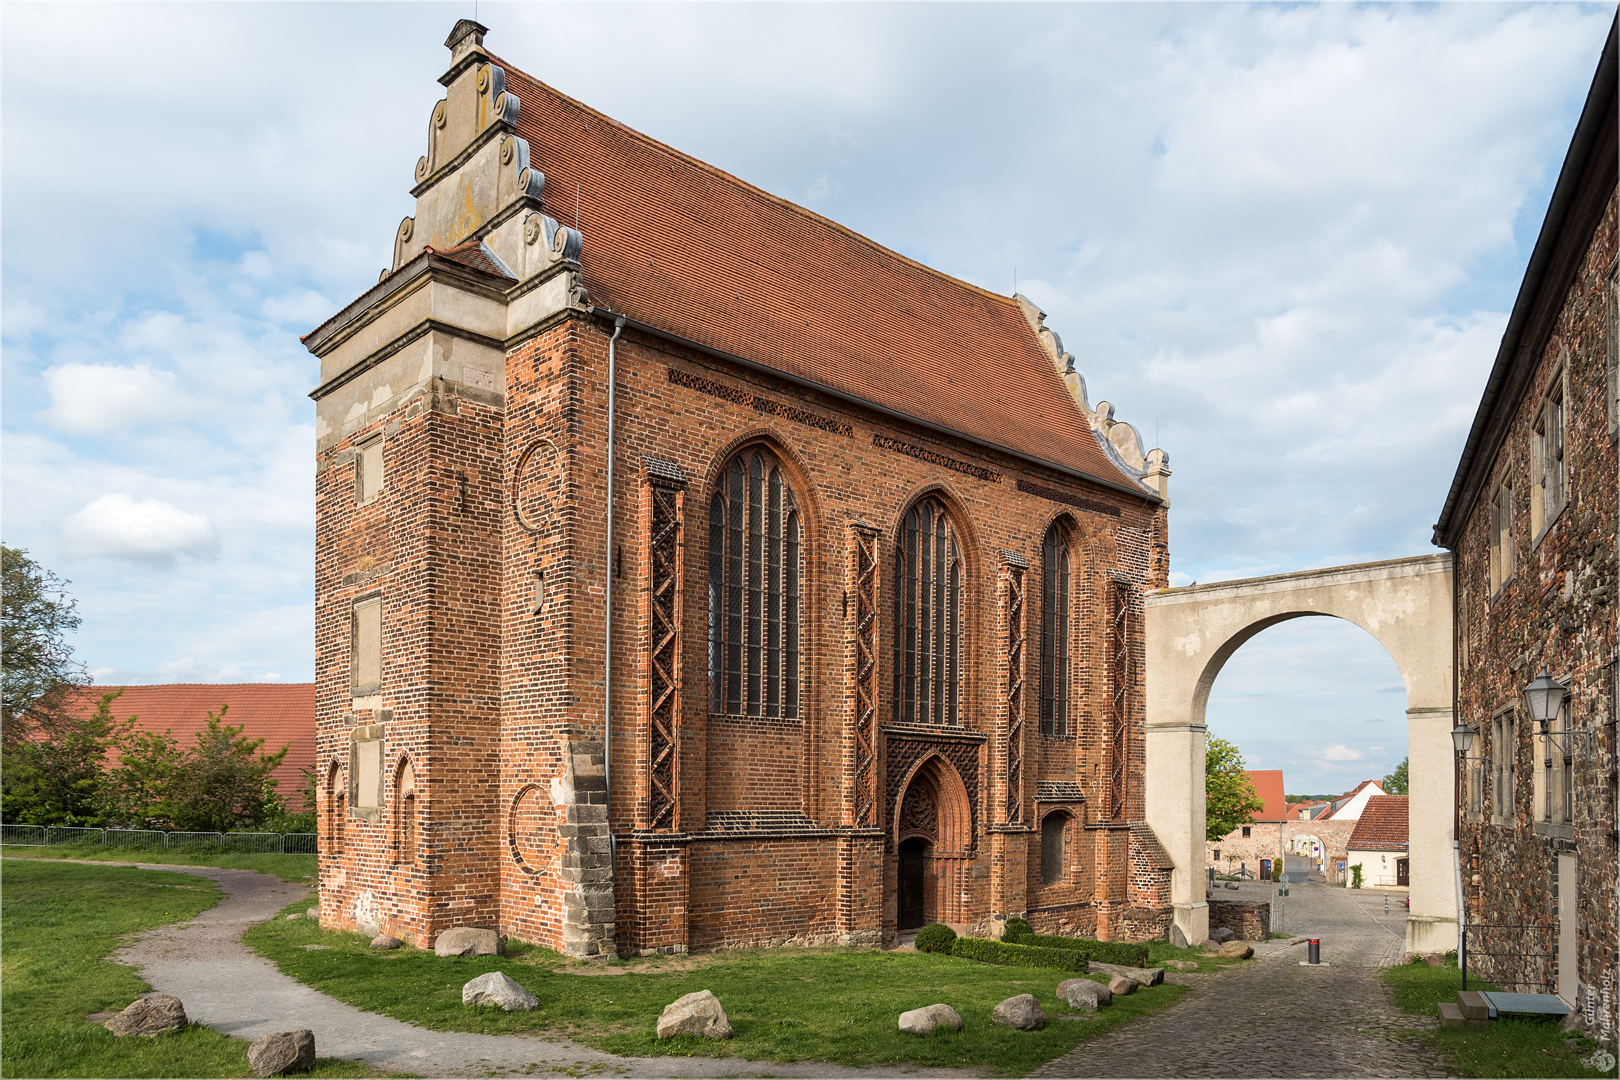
1501	538
1549	472
365	647
1504	752
368	470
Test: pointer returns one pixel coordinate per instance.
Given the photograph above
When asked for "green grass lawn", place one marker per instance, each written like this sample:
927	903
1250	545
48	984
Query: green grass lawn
58	923
1505	1048
285	867
835	1005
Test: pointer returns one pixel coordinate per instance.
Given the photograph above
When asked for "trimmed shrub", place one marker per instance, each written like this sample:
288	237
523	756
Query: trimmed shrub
936	937
1126	953
1000	952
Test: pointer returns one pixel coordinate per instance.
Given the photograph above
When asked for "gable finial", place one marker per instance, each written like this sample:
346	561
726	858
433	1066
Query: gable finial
466	35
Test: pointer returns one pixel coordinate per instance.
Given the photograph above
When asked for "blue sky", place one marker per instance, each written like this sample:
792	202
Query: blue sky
1283	240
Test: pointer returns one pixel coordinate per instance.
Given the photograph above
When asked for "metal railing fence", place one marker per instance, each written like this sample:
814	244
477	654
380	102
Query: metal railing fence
1511	961
152	839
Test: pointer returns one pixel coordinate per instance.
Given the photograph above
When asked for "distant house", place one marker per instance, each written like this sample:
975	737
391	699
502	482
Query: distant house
1318	830
1379	842
1349	807
283	714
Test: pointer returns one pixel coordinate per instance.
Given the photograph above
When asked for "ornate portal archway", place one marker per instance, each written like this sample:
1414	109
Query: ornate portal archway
933	842
1191	633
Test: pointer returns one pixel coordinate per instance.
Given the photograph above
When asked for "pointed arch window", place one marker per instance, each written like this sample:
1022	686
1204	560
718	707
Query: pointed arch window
928	618
1055	632
754	590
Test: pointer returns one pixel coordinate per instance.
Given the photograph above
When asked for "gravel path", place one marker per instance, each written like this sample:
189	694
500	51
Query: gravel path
232	989
1274	1017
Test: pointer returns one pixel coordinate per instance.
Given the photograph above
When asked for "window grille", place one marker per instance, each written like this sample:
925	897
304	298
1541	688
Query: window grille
1055	633
754	590
928	618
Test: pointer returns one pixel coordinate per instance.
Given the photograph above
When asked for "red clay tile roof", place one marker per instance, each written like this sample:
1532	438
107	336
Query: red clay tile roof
474	254
1268	784
684	247
1382	826
283	714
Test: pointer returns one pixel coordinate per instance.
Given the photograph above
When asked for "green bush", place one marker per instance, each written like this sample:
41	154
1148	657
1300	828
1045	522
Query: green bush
1000	952
1130	954
936	937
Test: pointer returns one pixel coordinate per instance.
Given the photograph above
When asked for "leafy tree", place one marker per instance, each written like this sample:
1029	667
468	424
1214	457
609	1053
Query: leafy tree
141	787
226	782
61	781
1229	796
1396	783
38	676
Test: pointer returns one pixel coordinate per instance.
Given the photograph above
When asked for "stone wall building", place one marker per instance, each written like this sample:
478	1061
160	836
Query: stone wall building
836	542
1531	516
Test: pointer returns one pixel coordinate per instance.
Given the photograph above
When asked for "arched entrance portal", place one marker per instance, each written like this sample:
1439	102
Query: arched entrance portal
933	843
1191	633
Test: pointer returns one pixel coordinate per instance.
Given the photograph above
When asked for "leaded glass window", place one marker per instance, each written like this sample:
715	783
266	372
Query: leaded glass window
754	590
1055	632
928	618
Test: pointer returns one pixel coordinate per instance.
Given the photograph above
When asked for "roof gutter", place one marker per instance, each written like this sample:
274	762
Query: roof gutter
1569	177
1149	497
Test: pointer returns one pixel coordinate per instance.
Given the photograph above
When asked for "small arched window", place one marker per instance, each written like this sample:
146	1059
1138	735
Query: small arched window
405	801
754	590
928	618
1052	847
336	810
1055	632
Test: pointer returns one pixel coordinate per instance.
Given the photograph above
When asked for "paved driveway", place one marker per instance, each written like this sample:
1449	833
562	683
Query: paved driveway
1272	1017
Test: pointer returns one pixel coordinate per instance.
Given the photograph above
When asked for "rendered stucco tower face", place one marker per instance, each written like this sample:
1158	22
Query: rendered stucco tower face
872	565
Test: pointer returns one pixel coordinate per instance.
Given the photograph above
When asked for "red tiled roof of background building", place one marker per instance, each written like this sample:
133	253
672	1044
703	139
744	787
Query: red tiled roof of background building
283	714
1383	825
695	252
1268	784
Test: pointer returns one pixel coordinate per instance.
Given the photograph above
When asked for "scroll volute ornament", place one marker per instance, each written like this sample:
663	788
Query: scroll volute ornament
478	100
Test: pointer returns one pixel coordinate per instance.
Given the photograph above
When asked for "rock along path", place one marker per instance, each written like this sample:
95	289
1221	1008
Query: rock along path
1273	1017
234	990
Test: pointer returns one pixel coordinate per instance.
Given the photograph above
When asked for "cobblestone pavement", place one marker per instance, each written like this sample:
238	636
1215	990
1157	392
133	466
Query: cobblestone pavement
1272	1017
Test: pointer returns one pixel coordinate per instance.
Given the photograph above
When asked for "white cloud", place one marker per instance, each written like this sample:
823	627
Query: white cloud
115	526
1340	752
1287	237
92	399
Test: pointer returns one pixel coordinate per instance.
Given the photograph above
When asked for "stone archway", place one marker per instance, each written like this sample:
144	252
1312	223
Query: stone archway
1191	633
933	844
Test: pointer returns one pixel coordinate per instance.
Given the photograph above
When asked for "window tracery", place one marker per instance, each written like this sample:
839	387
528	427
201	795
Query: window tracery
755	577
928	618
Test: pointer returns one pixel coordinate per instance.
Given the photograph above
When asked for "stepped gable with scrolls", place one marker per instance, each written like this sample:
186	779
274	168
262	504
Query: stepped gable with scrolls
858	645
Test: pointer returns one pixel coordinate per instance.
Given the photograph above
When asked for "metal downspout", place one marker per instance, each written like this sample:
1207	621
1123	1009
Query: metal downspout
607	631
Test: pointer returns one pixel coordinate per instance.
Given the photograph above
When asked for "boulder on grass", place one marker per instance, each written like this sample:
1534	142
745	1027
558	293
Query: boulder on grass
1222	934
926	1020
1177	938
1022	1012
1120	985
282	1052
1237	950
314	912
1084	993
296	915
497	989
1209	945
699	1013
383	942
1142	976
1182	965
150	1015
467	941
1435	959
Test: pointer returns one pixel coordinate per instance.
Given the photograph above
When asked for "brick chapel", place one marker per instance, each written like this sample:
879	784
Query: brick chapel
692	571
